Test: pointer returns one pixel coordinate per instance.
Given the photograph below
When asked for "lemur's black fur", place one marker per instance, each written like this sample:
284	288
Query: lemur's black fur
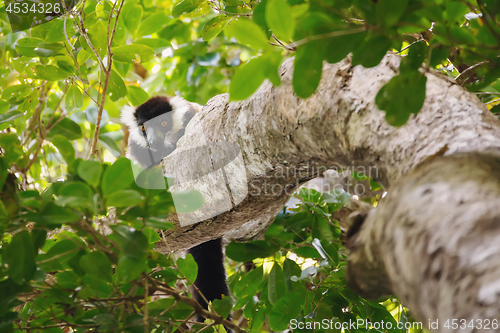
211	279
154	129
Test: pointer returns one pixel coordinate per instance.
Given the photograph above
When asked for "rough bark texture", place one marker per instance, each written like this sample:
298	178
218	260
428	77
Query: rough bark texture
433	240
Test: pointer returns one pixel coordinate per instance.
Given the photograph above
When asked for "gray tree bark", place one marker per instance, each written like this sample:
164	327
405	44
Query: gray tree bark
434	240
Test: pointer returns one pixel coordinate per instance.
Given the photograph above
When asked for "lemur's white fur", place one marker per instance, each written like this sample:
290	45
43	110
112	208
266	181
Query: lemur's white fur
135	133
179	108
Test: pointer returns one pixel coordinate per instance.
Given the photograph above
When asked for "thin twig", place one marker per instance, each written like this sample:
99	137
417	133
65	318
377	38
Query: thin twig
192	284
197	307
38	111
459	78
408	46
221	11
107	76
66	33
281	43
83	31
183	326
145	312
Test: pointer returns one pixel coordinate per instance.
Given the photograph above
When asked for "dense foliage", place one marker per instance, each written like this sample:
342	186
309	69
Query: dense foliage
62	84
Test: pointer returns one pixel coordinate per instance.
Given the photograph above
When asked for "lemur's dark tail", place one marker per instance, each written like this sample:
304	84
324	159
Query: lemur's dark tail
211	279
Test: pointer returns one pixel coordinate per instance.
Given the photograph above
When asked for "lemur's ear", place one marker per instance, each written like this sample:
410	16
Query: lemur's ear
183	111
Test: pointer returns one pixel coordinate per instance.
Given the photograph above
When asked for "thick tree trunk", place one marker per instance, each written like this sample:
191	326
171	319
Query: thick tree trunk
434	240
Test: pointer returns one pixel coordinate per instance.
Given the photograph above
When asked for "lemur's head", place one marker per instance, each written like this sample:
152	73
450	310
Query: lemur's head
155	127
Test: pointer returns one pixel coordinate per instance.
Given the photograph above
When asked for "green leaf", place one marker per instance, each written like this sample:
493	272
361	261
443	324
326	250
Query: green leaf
61	252
20	257
339	47
4	106
90	171
56	32
299	221
48	50
214	27
416	56
117	177
249	283
53	214
407	91
16	93
152	235
279	19
185	6
12	150
188	267
124	198
390	11
307	252
159	224
249	251
75	194
74	98
137	95
131	15
157	44
152	179
247	79
273	61
327	250
117	88
455	11
166	275
259	16
67	128
50	73
68	279
129	269
132	53
223	306
65	148
133	243
26	46
290	268
97	265
110	144
187	201
308	66
324	228
9	116
152	24
82	56
286	309
371	52
276	284
462	35
247	32
481	32
122	68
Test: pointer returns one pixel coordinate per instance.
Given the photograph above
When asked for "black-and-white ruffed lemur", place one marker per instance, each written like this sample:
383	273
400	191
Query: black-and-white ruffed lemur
149	143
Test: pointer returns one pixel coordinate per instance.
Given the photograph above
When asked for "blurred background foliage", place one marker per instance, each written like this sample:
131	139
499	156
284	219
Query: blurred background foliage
62	86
